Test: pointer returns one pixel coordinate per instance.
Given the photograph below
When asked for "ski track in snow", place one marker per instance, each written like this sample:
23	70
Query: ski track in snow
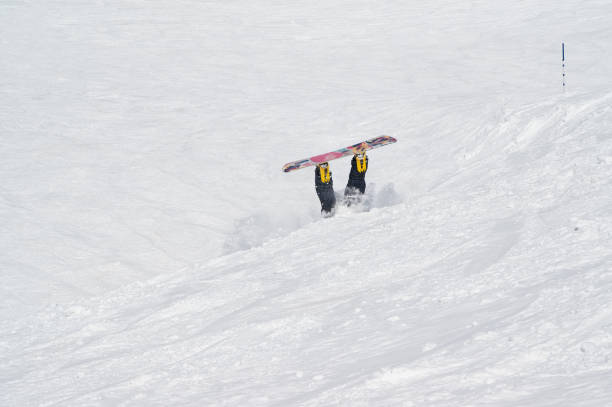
152	252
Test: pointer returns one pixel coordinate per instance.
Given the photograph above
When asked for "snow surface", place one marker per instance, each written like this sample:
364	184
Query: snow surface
153	253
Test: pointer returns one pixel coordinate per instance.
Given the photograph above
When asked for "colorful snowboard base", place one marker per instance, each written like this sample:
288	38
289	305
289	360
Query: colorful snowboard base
343	152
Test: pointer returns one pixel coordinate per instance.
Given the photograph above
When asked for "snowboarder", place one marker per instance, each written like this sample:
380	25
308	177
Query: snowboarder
355	187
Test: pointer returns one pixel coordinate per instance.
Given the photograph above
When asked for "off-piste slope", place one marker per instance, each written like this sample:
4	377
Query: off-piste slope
142	137
492	287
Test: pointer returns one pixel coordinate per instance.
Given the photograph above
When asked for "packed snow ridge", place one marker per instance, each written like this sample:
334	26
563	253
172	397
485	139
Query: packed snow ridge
153	253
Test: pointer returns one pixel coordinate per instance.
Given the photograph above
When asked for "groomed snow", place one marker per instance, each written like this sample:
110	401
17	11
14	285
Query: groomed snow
153	253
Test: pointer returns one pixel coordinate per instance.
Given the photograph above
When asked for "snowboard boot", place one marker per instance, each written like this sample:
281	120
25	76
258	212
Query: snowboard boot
324	185
355	187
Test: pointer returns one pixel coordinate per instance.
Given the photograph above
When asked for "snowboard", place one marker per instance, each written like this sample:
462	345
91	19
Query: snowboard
342	152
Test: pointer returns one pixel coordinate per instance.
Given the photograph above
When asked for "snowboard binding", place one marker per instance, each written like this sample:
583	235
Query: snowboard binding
361	161
324	172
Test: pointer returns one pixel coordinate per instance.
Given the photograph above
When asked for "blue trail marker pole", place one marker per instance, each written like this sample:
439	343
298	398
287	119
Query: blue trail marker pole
563	62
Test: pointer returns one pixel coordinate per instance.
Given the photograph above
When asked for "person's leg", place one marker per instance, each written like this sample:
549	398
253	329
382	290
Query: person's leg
324	185
356	184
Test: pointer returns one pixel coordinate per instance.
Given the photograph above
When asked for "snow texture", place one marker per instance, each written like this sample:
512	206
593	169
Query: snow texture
153	253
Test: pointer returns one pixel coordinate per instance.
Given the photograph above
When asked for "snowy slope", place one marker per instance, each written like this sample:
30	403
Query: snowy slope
152	252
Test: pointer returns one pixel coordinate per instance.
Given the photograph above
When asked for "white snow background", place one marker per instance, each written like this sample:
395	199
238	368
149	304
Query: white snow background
153	253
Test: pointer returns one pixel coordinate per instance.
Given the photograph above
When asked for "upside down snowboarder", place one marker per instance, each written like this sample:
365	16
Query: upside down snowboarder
324	185
355	187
